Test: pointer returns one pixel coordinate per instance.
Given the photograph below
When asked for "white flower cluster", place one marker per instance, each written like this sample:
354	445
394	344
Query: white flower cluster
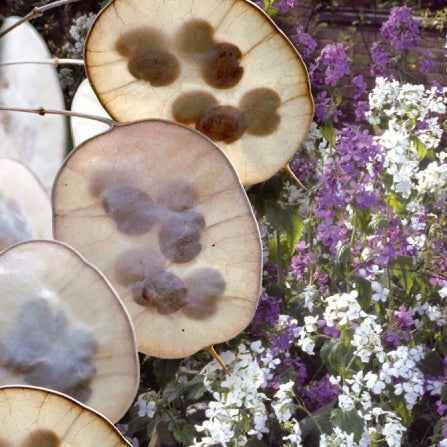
147	404
237	397
342	308
356	396
367	341
405	113
305	340
400	370
78	30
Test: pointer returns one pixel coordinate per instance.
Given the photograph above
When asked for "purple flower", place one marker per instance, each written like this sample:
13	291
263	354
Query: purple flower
441	408
361	107
426	65
319	393
266	316
381	60
390	339
305	42
301	261
360	86
325	108
284	5
330	331
401	30
331	66
404	318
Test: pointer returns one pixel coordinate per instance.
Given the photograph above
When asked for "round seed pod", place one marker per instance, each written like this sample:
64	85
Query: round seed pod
221	66
37	417
85	101
39	144
25	208
64	328
192	277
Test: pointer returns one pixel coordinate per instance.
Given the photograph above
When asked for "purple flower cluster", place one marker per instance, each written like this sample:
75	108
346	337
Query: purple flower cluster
302	261
331	66
381	60
319	393
284	5
266	316
345	181
305	42
401	29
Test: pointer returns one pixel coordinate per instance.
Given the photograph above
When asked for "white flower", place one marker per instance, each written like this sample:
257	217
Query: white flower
345	403
309	294
147	405
393	431
342	308
443	443
294	438
373	383
367	341
443	292
283	402
380	293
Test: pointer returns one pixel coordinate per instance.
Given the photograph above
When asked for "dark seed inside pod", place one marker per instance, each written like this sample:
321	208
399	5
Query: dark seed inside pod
158	67
163	290
131	209
179	237
195	38
223	123
222	68
42	438
144	36
205	287
49	351
260	108
179	196
134	265
190	107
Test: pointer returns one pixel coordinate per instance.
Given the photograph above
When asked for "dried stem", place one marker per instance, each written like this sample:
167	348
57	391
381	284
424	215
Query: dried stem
218	358
41	111
295	178
36	12
53	61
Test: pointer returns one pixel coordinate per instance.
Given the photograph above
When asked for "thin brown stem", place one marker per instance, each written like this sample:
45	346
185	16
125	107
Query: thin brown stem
218	358
36	12
53	61
42	112
295	178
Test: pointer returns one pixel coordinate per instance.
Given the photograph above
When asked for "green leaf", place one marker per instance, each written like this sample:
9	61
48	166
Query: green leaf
394	202
183	432
364	289
336	356
329	133
349	421
402	269
420	148
269	9
165	370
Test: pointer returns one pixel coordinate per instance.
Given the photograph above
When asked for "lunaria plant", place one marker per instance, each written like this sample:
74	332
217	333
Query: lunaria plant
161	211
36	417
221	66
25	208
39	144
63	327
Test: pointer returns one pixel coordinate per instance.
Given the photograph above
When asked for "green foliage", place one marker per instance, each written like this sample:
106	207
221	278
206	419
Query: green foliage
349	421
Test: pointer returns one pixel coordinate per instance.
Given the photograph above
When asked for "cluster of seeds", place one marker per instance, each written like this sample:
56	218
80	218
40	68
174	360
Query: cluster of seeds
179	228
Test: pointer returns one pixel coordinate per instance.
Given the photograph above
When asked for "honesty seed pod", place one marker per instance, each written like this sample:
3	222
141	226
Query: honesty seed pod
25	208
64	328
221	66
37	417
85	101
39	144
160	210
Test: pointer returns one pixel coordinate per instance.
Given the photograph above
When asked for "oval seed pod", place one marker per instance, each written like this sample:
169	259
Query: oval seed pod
64	328
37	417
221	66
38	143
85	101
160	210
25	208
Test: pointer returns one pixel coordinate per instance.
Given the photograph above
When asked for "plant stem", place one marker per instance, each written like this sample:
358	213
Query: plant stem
42	111
218	358
53	61
295	178
36	12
